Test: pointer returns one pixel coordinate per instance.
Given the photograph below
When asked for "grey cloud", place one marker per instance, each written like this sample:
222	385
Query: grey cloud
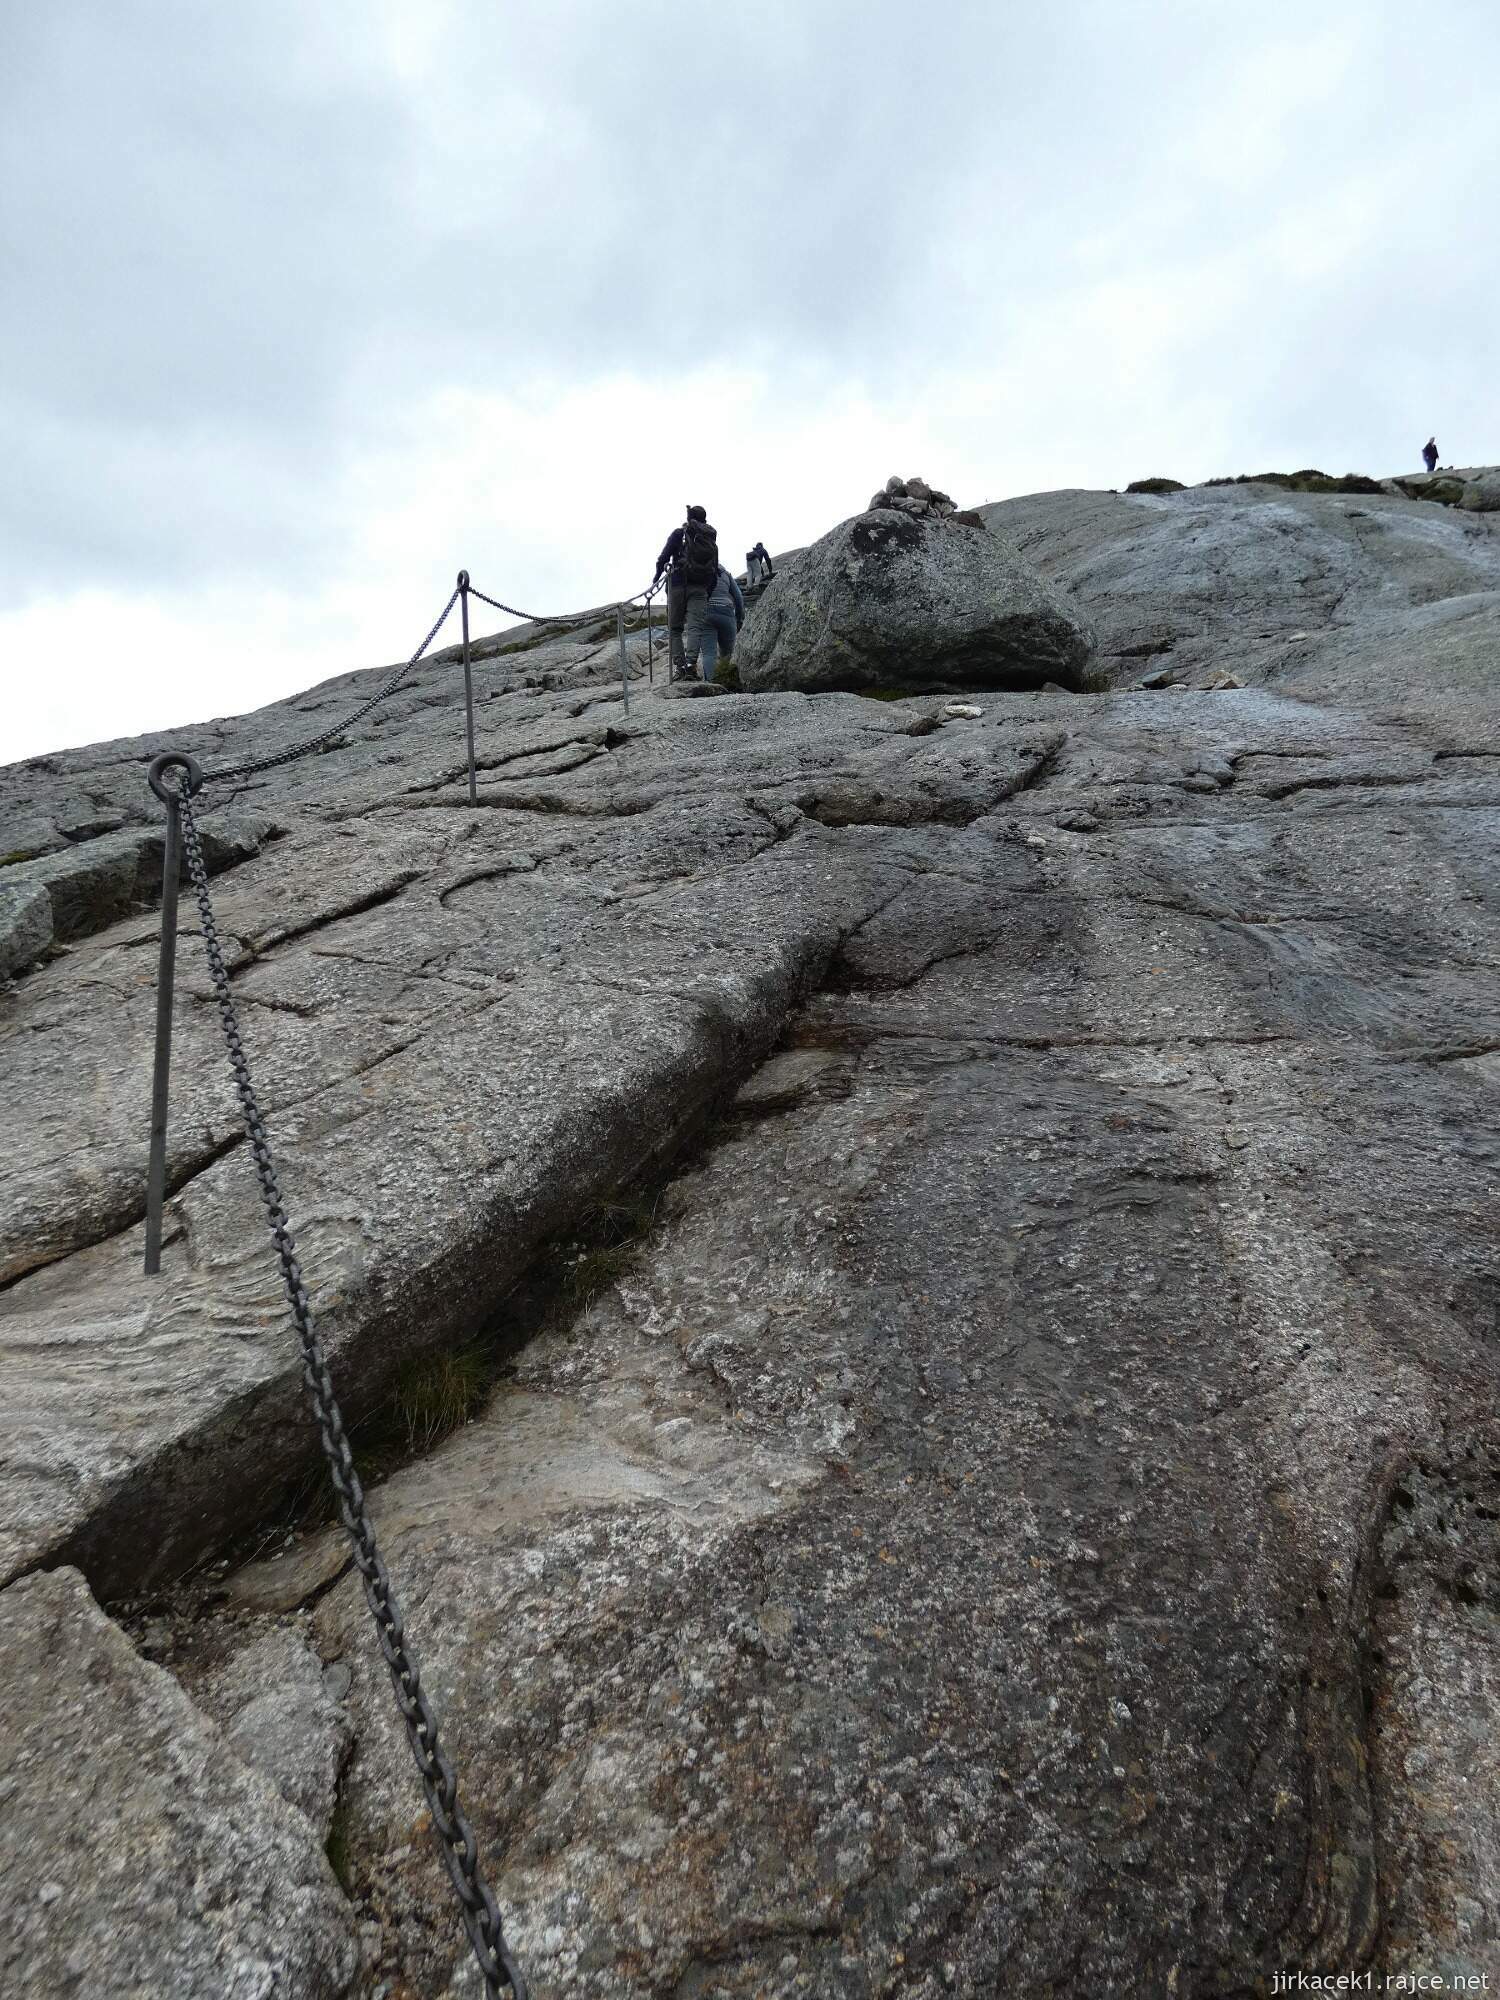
236	244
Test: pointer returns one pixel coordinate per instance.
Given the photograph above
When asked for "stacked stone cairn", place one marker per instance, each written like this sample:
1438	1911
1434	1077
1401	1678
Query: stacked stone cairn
915	496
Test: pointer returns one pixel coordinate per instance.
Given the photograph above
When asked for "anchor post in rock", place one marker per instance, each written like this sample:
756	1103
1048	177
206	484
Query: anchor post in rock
463	592
624	662
166	981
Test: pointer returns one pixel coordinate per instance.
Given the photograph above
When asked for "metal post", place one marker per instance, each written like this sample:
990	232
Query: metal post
650	638
166	979
463	591
624	663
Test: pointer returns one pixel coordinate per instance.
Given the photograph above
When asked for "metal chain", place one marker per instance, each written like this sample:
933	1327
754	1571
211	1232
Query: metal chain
387	688
481	1914
532	618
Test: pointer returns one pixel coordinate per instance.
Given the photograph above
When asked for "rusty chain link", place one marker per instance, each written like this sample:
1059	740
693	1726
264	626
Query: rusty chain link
481	1914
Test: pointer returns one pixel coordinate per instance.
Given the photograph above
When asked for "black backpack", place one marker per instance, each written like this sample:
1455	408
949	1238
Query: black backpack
698	559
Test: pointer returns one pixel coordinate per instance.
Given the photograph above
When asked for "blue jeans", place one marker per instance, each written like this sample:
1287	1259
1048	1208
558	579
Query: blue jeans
717	641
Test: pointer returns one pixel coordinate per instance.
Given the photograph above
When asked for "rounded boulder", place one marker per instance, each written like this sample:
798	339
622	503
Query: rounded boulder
897	600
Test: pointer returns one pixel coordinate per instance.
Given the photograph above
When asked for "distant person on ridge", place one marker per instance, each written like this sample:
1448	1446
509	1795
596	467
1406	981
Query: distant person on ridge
758	565
691	554
723	617
1430	454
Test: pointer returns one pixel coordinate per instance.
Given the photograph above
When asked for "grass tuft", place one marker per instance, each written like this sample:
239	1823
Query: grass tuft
438	1393
608	1246
433	1396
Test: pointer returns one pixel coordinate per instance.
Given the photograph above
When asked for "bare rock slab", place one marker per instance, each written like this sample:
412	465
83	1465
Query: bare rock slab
139	1855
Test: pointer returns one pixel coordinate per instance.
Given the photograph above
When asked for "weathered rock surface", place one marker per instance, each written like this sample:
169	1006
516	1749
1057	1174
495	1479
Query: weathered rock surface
138	1854
1018	1516
911	600
279	1713
1475	487
562	998
71	892
1365	599
25	925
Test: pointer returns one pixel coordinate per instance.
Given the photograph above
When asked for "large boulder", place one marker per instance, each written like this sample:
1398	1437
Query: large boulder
896	599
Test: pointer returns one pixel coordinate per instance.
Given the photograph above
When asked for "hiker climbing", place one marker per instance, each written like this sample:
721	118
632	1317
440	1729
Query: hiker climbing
758	568
723	616
689	560
1430	454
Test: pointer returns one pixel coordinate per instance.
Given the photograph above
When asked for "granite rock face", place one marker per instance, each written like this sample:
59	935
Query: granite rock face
912	599
1013	1510
25	925
138	1854
280	1713
1375	600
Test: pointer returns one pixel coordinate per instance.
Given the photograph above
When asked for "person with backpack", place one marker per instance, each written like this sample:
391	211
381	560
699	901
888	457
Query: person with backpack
758	565
723	616
1430	454
690	561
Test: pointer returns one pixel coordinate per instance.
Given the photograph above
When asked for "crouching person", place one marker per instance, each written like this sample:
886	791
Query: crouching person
722	615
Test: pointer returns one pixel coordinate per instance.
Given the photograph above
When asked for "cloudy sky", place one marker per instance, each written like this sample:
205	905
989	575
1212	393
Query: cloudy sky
305	306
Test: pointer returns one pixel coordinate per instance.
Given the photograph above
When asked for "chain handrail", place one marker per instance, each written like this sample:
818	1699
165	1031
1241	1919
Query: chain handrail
481	1913
393	681
563	618
382	693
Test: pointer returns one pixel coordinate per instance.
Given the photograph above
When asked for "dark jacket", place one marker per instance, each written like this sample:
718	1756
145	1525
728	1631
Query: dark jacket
671	549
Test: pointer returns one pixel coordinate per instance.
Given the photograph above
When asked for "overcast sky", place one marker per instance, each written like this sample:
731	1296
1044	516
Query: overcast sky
302	307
